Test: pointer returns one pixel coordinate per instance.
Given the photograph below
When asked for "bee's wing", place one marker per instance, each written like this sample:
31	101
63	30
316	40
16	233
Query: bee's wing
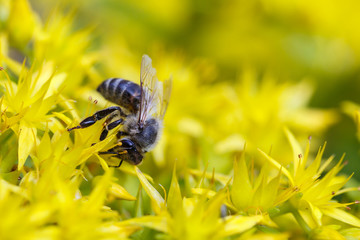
165	97
154	94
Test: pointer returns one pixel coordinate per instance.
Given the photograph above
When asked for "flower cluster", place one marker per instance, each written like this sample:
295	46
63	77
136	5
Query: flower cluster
54	184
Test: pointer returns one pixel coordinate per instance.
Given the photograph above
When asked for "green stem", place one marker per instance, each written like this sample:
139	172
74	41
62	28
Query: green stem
285	208
301	221
288	208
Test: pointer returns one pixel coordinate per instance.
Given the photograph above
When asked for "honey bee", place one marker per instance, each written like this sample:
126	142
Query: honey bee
141	109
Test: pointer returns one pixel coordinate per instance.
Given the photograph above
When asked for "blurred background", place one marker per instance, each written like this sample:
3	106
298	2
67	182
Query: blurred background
242	70
247	76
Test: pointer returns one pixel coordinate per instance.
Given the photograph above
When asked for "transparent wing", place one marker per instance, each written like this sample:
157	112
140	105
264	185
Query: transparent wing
166	87
154	94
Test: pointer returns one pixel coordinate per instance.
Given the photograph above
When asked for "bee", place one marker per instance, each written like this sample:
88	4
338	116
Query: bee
140	110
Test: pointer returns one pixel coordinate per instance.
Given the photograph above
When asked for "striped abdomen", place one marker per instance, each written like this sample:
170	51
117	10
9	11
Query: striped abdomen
122	92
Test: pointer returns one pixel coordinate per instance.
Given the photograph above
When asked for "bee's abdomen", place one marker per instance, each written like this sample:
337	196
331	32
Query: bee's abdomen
122	92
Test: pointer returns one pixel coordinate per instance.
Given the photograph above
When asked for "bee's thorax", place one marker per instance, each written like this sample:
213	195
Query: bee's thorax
146	137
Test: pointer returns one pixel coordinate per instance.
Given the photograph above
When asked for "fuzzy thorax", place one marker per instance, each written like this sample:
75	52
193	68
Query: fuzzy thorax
146	137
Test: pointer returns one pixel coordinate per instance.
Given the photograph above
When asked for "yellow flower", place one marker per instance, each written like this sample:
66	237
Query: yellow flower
326	232
51	208
255	106
55	184
353	110
29	103
351	233
314	192
256	196
189	218
13	199
65	48
21	31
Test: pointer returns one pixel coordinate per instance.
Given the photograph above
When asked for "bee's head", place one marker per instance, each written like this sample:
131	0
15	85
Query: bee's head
134	156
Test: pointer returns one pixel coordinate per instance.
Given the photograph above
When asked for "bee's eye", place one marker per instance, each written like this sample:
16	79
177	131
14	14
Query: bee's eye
126	143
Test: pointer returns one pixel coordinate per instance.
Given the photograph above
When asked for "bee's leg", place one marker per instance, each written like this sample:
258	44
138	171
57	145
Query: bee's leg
121	148
119	134
109	152
106	124
108	127
97	116
116	154
120	163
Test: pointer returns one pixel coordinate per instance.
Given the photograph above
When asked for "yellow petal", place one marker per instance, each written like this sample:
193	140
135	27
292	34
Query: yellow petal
239	224
211	213
40	213
26	142
14	119
242	190
6	187
15	67
314	166
86	153
342	216
120	192
124	230
351	233
233	143
44	149
190	126
316	214
103	163
68	105
157	200
222	178
158	223
159	151
308	215
129	169
270	192
203	191
174	199
47	104
20	29
98	194
326	233
295	147
278	166
138	210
